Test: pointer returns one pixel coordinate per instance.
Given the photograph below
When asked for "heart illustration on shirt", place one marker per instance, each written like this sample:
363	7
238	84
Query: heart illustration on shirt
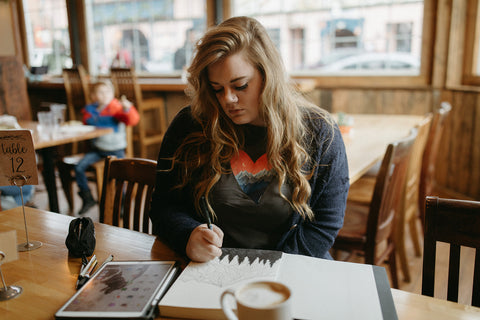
243	162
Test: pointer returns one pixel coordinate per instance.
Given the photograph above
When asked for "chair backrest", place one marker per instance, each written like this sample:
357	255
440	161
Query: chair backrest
410	203
129	148
386	198
127	189
430	153
456	222
77	90
125	83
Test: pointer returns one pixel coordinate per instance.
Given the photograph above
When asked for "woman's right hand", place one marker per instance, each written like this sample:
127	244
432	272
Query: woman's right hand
204	244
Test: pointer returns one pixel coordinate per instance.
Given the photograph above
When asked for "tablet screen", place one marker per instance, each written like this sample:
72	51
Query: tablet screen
120	289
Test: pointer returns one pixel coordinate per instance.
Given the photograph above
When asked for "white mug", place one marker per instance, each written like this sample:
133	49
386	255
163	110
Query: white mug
261	300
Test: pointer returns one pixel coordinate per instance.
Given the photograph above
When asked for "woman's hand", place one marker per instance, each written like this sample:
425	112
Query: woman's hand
204	244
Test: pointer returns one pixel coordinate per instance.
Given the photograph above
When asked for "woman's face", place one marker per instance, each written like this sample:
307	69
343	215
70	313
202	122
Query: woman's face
238	86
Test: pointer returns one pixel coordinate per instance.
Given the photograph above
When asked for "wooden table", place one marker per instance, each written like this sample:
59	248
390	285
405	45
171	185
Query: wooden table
47	275
46	146
370	136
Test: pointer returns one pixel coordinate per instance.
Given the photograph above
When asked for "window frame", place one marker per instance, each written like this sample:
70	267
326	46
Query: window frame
362	81
218	9
472	30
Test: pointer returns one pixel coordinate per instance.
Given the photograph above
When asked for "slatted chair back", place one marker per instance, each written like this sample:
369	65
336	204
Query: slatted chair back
127	189
369	229
408	214
456	222
427	178
386	198
77	90
153	124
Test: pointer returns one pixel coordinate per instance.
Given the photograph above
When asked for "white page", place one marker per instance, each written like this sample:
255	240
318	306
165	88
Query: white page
200	285
324	289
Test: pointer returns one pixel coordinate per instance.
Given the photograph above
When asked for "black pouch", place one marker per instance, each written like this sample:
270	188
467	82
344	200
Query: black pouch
81	238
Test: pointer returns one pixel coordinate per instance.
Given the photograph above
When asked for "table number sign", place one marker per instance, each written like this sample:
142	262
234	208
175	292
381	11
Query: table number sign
17	158
18	167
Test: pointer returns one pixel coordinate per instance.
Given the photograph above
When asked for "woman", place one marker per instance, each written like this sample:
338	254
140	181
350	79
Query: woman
271	165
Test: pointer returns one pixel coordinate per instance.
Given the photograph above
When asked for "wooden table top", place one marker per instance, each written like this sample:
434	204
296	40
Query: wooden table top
47	275
370	136
61	137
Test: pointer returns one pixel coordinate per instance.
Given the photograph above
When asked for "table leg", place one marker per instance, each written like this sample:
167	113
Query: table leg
48	156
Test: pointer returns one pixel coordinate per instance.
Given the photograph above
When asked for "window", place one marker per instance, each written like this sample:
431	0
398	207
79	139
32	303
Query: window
338	37
48	40
154	36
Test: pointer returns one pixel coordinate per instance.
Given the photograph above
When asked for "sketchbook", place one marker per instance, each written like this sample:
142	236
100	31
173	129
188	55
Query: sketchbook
320	288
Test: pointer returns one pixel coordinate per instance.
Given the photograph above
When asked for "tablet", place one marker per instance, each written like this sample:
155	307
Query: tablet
121	289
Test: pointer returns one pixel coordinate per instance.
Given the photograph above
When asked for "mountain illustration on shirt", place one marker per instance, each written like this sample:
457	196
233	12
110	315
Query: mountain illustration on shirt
252	177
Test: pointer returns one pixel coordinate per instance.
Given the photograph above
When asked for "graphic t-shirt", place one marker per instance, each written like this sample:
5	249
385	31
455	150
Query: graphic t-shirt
253	176
247	202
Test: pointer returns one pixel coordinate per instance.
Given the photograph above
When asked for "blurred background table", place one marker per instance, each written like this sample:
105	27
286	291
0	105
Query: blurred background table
369	137
46	145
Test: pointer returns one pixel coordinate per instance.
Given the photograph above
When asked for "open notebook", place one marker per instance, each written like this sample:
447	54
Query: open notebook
320	288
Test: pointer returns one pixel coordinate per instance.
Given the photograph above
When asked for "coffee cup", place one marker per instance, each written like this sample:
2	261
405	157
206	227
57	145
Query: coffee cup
260	300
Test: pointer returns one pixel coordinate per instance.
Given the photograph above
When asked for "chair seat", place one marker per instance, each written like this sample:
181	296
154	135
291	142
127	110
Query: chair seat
354	229
73	160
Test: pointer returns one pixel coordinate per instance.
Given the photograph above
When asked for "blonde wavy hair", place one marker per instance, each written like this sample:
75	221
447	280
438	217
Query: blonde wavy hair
207	154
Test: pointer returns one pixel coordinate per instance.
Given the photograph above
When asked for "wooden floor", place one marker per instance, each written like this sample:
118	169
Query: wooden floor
415	285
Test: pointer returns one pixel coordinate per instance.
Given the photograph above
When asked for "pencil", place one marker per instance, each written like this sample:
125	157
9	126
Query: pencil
206	212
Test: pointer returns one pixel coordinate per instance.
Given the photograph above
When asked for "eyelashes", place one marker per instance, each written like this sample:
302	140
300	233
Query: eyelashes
239	88
245	86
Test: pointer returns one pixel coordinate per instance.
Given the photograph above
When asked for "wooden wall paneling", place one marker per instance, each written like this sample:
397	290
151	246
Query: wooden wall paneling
13	89
459	173
411	101
475	185
444	152
466	179
388	101
453	172
471	48
456	44
440	52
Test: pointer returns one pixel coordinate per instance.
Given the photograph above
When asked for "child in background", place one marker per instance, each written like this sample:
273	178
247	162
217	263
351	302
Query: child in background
106	112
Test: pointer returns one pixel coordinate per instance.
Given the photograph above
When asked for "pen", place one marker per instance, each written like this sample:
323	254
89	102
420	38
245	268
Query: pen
110	258
206	212
92	260
83	279
84	269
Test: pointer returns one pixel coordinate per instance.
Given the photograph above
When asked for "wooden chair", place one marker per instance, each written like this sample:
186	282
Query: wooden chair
152	111
127	189
78	96
362	190
427	178
77	90
408	214
370	230
66	170
456	222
